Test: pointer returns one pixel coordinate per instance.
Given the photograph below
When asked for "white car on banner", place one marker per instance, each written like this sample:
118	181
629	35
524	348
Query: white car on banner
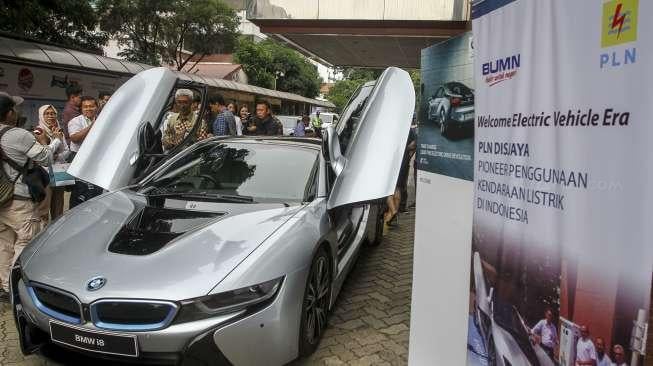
506	335
452	106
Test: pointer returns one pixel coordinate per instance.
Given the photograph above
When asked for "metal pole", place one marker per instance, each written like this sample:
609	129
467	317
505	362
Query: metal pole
639	341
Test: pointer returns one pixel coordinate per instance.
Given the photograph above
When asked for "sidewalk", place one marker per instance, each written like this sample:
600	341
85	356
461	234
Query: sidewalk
371	320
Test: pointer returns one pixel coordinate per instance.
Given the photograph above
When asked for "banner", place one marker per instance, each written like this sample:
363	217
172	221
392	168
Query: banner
43	85
562	252
443	227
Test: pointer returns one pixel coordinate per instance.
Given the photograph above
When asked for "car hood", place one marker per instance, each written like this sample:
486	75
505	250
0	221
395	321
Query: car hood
82	245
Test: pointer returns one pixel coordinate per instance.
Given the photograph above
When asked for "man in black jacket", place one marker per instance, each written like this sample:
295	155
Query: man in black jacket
265	123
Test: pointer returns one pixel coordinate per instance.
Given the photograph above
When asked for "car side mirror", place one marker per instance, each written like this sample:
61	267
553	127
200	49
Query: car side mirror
331	149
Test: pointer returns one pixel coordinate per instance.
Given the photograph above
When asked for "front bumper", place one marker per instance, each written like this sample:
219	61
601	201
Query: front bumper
222	340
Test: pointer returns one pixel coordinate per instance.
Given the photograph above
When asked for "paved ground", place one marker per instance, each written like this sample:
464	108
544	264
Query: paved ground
370	323
368	326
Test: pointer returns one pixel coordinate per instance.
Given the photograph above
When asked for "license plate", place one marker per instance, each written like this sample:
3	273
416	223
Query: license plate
94	340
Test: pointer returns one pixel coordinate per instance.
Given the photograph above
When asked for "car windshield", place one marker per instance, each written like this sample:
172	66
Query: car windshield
460	89
253	172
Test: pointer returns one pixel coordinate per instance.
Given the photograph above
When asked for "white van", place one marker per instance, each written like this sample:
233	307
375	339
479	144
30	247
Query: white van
326	117
289	123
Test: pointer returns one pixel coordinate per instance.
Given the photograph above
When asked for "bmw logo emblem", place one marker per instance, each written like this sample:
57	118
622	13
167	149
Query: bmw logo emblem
96	283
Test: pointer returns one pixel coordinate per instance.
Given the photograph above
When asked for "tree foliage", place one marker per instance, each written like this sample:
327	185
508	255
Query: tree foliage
170	31
70	23
343	89
256	60
269	60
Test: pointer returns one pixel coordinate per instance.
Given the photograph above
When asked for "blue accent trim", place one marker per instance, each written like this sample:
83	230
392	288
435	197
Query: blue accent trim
482	7
52	313
133	327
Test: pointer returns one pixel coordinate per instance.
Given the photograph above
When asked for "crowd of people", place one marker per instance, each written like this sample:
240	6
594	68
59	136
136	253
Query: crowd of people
593	353
588	352
28	200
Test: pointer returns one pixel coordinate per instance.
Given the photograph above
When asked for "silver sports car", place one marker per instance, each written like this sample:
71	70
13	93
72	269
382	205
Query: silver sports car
507	338
223	251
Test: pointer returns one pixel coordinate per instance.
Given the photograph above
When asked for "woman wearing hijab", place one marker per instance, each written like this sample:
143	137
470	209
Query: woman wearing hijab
49	126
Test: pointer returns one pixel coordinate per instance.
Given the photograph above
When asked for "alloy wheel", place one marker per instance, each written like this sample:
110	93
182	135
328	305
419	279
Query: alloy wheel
443	124
316	300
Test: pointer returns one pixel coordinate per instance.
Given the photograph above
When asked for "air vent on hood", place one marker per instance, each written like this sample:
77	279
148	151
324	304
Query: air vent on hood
151	229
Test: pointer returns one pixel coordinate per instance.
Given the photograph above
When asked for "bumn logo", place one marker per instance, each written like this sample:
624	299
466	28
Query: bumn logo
501	69
619	22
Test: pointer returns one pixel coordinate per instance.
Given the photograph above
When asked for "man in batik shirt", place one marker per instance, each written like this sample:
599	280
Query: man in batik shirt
179	124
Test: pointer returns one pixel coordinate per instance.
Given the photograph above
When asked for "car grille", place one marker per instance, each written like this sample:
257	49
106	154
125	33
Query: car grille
132	315
57	304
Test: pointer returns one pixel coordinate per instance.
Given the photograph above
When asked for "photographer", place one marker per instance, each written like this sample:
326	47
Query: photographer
19	221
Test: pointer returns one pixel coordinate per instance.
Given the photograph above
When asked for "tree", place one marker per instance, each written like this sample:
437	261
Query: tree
70	23
256	60
355	77
172	31
343	89
268	61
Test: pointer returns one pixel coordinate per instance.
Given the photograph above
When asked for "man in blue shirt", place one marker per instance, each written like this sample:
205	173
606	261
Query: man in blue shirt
224	123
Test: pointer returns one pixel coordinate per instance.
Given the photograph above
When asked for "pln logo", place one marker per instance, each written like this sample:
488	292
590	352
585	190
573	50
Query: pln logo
619	26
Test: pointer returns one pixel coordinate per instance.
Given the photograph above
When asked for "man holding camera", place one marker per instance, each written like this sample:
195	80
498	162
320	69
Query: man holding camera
19	221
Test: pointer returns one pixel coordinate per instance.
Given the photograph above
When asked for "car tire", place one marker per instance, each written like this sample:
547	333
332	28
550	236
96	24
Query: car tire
377	237
444	129
315	304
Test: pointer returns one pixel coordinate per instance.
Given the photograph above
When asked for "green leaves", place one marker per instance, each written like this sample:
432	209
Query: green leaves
342	91
170	31
69	23
353	78
268	63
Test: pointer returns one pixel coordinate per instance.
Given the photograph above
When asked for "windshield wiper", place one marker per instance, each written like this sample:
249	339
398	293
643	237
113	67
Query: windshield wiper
205	195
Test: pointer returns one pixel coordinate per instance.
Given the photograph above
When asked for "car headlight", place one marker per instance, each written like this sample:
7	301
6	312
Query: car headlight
246	298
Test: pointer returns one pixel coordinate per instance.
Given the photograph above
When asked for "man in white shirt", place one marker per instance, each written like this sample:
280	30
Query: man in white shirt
619	355
585	351
81	125
602	359
78	128
547	333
